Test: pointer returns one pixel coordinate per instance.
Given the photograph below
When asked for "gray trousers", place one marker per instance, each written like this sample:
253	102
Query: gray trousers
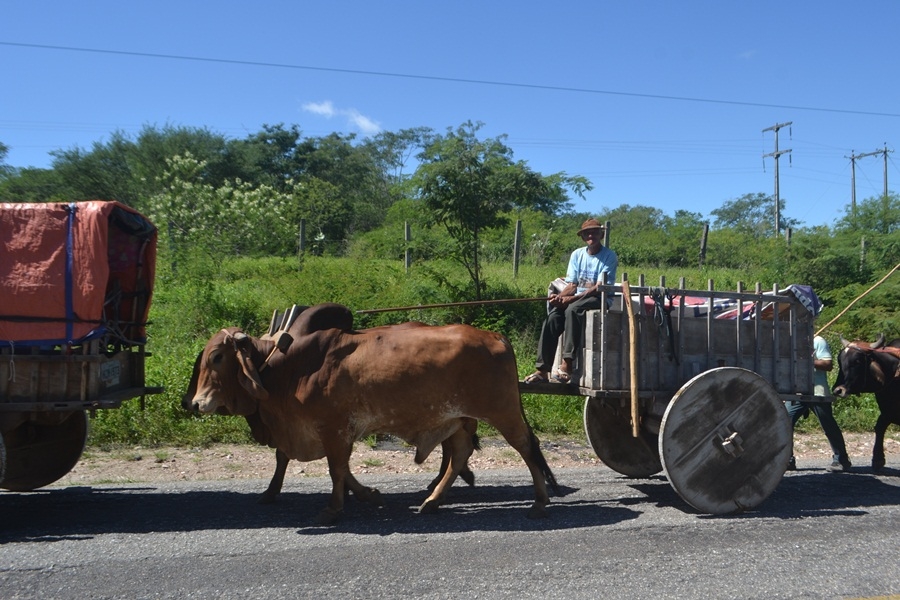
569	320
822	410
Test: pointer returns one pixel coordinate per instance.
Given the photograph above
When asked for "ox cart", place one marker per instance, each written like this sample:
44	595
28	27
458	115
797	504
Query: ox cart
692	383
75	286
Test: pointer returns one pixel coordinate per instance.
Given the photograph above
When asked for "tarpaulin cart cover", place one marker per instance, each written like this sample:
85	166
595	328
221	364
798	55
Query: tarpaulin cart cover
73	272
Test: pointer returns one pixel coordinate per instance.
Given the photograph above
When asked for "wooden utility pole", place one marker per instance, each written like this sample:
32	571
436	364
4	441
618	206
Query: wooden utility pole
517	247
407	239
776	154
884	198
853	158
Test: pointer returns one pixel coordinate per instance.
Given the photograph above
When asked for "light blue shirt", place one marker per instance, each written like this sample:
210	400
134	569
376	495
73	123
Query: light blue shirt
821	351
585	269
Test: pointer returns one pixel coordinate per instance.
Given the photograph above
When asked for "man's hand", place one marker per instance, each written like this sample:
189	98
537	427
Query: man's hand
559	300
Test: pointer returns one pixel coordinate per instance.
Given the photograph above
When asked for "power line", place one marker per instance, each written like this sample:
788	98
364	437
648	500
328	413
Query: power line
445	79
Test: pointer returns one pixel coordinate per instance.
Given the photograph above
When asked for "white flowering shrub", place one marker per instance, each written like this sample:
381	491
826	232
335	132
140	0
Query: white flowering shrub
235	219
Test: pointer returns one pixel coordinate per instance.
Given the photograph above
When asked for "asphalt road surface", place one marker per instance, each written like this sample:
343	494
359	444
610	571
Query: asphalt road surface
820	535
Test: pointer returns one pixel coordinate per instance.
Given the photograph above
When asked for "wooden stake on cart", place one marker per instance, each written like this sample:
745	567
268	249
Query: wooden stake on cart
632	359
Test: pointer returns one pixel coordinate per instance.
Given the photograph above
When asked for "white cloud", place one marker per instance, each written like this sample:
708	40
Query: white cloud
326	109
747	54
355	119
364	123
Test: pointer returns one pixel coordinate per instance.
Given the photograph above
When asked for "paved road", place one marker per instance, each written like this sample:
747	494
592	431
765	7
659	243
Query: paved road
820	535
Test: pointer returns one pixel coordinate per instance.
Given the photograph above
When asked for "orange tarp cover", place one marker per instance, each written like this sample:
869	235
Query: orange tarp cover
71	271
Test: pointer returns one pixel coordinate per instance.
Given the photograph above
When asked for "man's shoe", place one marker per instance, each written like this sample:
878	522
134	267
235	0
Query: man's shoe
792	464
841	465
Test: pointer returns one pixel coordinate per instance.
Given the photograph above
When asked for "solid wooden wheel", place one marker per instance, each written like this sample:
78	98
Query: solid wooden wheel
725	440
40	452
2	458
609	433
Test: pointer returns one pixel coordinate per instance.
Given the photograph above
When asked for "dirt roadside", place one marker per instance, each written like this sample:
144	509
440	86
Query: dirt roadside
136	465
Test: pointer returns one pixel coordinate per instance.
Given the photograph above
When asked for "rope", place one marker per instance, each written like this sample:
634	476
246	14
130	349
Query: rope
858	298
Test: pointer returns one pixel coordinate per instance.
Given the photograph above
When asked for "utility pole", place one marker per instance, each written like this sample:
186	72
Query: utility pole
884	199
853	158
776	154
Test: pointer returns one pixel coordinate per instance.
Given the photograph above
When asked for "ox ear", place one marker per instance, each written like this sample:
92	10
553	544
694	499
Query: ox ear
249	376
879	342
877	372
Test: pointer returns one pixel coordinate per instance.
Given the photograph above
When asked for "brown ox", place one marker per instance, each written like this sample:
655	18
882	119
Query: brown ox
332	387
317	318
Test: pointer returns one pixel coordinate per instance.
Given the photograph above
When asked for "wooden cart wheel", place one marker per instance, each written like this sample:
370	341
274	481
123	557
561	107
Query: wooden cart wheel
2	458
609	433
725	440
40	452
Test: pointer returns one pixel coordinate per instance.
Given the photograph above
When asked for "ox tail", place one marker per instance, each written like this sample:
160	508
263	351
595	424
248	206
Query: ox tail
476	441
538	457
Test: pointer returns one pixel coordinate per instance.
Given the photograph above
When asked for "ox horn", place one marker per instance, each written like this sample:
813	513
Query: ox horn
844	342
879	342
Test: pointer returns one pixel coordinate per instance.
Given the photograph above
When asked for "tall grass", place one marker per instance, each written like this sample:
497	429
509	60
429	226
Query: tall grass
194	300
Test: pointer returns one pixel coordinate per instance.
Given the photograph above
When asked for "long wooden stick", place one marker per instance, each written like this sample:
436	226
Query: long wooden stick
632	359
449	304
858	298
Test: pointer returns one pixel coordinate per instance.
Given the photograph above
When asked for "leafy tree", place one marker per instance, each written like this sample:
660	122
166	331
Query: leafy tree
752	214
468	186
880	214
270	157
393	151
32	185
326	211
128	170
5	169
682	234
635	234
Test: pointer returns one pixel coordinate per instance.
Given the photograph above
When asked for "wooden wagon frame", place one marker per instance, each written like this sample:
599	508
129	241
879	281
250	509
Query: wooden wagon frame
672	384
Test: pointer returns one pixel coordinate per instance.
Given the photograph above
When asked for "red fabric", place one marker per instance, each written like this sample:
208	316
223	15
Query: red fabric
33	262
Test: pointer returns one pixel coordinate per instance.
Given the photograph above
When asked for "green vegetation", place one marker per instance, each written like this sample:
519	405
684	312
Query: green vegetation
229	212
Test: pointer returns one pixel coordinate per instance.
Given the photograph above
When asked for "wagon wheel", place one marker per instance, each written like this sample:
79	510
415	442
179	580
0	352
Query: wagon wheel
2	458
40	452
609	433
725	440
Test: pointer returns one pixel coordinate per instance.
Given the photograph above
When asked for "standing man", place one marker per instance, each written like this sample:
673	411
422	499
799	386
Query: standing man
822	363
589	268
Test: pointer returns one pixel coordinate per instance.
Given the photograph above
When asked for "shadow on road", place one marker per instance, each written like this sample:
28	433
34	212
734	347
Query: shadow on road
84	512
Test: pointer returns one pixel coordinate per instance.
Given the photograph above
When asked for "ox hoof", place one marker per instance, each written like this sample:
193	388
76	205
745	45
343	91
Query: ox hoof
328	517
468	476
878	464
429	507
537	511
372	496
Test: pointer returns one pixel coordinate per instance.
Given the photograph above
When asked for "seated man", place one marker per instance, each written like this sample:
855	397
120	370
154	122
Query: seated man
589	268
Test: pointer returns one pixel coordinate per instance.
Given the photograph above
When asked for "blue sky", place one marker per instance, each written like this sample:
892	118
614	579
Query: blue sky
660	104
